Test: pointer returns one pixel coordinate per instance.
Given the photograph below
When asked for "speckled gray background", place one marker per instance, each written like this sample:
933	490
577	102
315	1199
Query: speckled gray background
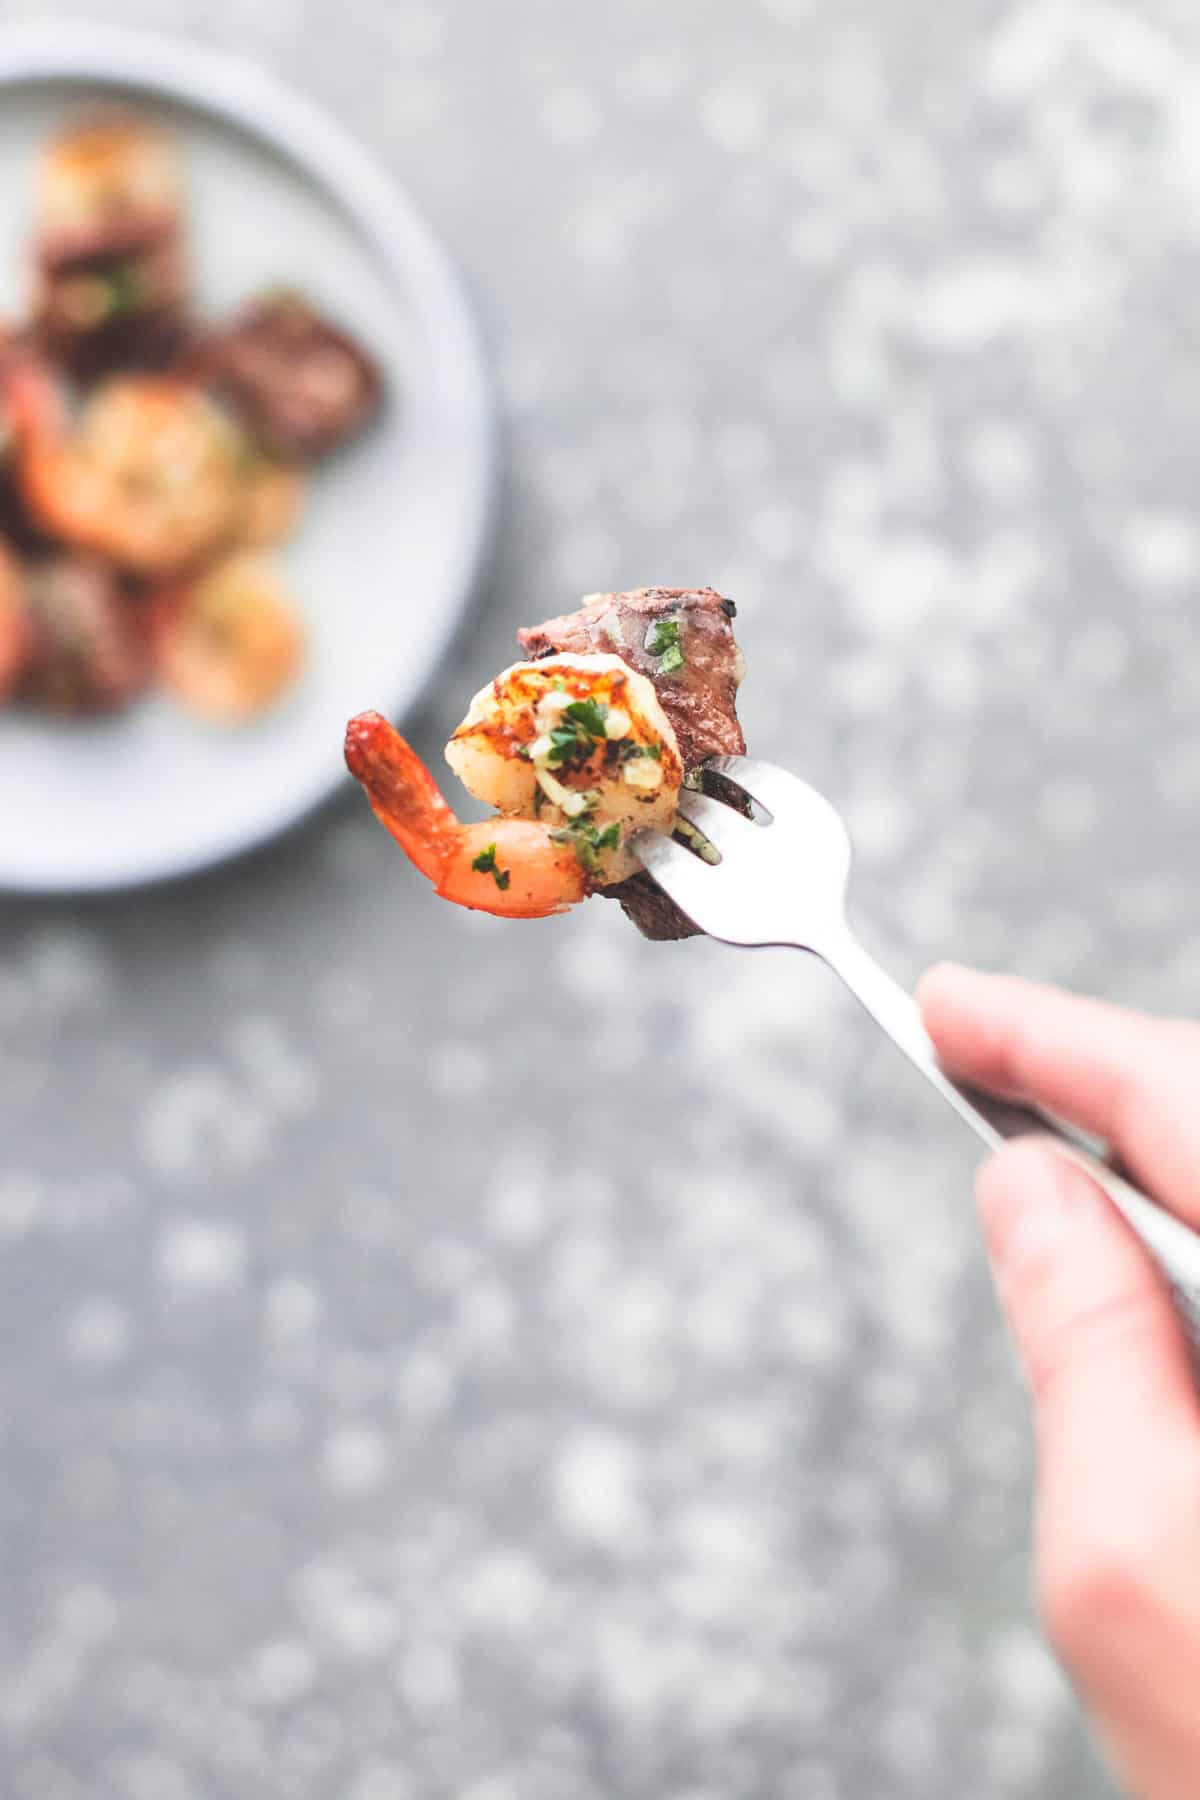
441	1361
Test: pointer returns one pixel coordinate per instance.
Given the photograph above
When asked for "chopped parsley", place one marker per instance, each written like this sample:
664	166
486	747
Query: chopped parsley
662	639
578	744
589	713
618	751
580	728
485	864
588	841
126	289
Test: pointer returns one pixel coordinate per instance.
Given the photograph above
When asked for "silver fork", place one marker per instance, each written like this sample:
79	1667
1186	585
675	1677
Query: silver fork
782	882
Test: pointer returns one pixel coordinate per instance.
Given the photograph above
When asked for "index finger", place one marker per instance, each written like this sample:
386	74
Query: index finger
1127	1077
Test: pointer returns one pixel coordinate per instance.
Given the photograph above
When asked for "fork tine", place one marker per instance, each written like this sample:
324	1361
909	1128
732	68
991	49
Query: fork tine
765	782
728	830
680	874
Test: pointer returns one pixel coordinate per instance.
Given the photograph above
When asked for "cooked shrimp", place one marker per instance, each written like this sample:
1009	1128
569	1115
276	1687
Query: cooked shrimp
272	495
229	642
575	752
148	478
512	867
104	172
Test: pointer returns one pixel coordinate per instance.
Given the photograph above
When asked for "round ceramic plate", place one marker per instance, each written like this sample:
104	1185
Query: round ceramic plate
385	557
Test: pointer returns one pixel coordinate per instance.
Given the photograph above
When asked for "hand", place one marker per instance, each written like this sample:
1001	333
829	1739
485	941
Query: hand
1114	1396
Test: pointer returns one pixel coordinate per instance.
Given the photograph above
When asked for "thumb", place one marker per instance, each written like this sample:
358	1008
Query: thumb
1116	1412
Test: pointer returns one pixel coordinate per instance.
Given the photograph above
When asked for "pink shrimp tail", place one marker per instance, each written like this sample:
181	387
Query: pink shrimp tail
512	868
33	398
403	794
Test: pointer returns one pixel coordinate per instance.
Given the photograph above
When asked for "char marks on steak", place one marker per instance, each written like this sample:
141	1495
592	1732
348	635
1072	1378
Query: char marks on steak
699	697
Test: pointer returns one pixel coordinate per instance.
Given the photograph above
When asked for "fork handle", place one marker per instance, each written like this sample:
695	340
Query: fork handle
1174	1246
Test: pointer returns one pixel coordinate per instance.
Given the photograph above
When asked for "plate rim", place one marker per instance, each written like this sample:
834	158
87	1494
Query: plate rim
244	94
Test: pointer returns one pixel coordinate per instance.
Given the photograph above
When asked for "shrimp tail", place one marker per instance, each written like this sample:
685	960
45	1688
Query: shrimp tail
403	794
513	868
35	402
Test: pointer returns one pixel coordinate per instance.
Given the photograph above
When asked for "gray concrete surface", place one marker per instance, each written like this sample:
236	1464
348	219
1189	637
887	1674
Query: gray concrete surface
442	1360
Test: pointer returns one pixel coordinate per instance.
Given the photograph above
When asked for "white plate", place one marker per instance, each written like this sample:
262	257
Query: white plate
387	553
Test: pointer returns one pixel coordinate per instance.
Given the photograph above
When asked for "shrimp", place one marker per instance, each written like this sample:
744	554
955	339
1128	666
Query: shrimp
575	753
272	498
149	478
507	866
229	642
105	174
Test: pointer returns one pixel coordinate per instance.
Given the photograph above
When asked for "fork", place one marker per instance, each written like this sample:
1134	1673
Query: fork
781	882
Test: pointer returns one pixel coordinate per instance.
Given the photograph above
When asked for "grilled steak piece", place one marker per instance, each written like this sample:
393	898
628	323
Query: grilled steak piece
108	307
110	273
682	638
88	654
299	383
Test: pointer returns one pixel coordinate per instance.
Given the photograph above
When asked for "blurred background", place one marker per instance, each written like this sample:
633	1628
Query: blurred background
448	1359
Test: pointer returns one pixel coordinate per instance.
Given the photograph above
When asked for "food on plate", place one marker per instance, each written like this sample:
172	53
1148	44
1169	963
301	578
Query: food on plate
300	385
110	267
16	631
87	653
18	531
578	748
272	496
145	457
148	475
227	642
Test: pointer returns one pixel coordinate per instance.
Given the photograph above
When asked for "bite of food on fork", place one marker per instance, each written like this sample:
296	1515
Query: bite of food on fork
614	761
578	749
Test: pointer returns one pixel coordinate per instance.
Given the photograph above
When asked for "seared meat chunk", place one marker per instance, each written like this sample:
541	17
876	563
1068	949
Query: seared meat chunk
299	383
88	654
110	272
682	638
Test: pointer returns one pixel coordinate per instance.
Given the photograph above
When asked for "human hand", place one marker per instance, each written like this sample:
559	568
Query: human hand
1115	1399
